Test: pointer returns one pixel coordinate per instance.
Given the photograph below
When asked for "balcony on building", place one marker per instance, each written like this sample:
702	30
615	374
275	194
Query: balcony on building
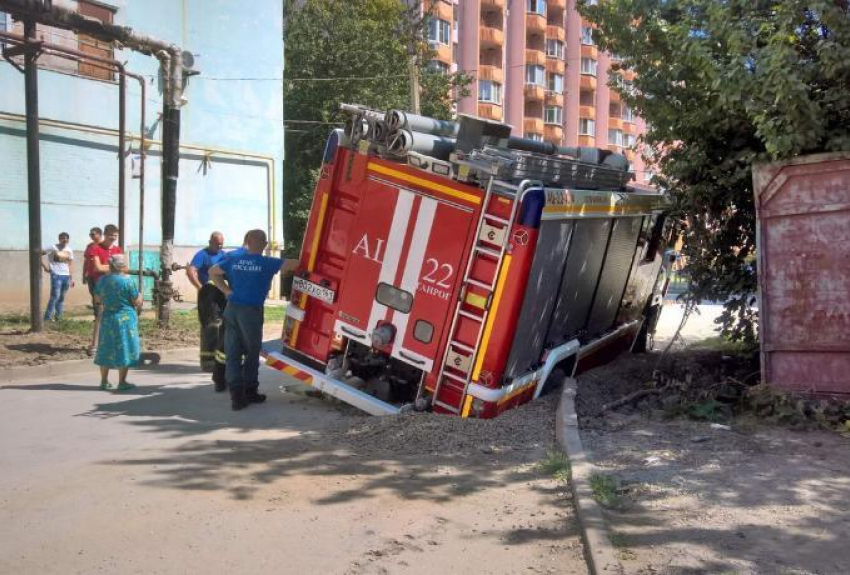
532	124
587	82
587	112
491	37
553	133
613	96
444	10
556	33
629	128
615	123
588	141
491	73
554	98
589	52
490	111
534	92
555	66
493	4
557	5
536	57
535	16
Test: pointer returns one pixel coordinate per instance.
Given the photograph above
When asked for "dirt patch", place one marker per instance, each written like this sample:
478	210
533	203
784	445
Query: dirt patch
732	495
529	428
70	338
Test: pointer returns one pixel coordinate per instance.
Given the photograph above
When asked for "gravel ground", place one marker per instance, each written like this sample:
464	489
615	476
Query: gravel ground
530	427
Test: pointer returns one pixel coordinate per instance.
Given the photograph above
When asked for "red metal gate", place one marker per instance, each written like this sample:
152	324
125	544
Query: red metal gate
803	210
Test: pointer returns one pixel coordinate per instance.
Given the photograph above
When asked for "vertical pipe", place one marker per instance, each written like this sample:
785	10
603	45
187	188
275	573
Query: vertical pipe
170	162
142	154
122	146
33	179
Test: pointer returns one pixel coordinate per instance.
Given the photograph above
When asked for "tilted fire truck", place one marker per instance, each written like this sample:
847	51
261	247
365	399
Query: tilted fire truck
449	266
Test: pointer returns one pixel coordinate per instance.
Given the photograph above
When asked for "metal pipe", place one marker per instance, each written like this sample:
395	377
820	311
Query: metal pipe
122	118
170	172
142	154
401	120
107	64
33	177
404	141
169	56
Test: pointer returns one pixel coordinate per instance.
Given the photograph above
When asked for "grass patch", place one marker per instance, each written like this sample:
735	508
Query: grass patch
274	313
79	322
556	464
605	490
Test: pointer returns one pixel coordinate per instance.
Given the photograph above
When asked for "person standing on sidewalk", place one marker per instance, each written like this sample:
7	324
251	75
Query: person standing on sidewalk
97	260
60	266
245	278
211	304
96	236
118	343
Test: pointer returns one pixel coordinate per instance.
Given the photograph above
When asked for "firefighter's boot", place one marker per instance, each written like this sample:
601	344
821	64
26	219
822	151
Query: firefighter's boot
238	400
253	395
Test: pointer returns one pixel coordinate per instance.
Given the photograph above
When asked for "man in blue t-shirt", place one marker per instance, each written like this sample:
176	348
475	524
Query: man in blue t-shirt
198	270
245	278
210	305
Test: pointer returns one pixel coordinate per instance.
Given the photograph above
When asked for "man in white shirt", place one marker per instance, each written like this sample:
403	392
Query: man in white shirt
60	266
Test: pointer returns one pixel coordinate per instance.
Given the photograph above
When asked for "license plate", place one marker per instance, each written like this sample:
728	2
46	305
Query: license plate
313	290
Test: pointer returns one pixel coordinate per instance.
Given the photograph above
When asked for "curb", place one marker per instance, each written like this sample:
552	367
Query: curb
74	366
600	554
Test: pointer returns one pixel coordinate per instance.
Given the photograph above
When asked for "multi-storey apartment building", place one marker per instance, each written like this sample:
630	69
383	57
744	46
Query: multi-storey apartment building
535	66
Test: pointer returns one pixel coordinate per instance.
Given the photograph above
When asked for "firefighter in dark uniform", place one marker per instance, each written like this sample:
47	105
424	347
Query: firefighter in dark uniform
211	304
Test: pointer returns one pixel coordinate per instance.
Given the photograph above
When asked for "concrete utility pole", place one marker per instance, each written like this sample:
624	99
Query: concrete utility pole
33	177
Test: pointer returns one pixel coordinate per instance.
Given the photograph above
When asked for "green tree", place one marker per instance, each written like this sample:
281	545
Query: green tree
724	83
348	51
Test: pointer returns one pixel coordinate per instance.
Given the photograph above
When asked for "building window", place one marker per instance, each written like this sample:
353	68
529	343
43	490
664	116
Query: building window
588	66
555	49
536	7
93	46
629	141
628	115
490	92
587	36
615	138
553	115
439	31
555	83
534	136
438	66
586	127
79	41
586	98
535	74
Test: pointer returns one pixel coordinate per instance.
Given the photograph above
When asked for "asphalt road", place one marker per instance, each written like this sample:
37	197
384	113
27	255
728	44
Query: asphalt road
167	479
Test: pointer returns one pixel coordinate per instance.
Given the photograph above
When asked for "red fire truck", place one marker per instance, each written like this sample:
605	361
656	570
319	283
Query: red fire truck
454	271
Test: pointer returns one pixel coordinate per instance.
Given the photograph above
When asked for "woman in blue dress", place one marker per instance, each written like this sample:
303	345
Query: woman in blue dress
118	343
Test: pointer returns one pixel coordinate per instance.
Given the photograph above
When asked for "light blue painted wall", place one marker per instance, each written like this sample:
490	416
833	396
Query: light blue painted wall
79	170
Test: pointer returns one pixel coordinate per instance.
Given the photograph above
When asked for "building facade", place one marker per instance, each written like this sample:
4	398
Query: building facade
231	135
535	66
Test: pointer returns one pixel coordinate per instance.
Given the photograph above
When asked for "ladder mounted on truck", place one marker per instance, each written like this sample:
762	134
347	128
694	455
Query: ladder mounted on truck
461	356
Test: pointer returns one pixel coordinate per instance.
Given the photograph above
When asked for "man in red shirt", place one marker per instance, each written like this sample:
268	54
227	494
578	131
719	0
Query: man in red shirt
96	236
97	262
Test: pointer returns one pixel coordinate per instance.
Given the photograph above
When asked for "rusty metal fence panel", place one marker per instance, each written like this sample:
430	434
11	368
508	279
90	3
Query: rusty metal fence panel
803	238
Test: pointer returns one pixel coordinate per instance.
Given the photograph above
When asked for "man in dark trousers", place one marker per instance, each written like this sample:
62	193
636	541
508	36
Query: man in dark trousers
211	304
245	279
